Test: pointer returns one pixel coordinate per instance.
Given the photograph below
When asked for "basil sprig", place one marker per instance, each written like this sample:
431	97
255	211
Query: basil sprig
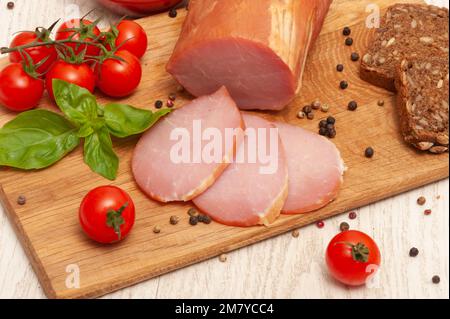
39	138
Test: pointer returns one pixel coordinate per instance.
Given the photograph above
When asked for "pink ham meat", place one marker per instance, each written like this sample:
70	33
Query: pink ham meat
256	48
315	169
165	179
243	196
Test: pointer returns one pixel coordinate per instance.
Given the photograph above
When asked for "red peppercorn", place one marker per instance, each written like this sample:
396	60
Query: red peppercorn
170	103
427	212
352	215
320	224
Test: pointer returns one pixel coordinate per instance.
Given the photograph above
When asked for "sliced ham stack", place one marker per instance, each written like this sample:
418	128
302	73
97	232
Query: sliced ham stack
256	48
248	193
156	167
315	169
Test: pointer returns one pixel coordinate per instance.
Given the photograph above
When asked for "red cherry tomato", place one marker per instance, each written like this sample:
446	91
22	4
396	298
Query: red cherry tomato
19	91
119	78
352	257
132	38
107	214
79	74
37	54
89	33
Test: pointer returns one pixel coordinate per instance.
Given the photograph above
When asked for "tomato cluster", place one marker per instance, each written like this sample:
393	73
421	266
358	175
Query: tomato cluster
80	54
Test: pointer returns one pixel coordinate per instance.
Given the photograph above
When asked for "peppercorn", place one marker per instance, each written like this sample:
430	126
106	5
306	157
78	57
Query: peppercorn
427	212
436	279
159	104
320	224
323	124
301	115
421	200
192	212
347	31
413	252
193	220
323	131
156	229
295	233
204	219
352	215
354	56
343	85
172	96
331	120
10	5
223	258
170	103
316	105
307	109
380	102
340	68
21	200
174	220
344	226
310	115
330	126
325	108
352	105
173	13
349	41
369	152
332	133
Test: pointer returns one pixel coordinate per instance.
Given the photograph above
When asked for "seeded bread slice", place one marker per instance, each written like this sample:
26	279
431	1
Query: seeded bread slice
422	102
406	30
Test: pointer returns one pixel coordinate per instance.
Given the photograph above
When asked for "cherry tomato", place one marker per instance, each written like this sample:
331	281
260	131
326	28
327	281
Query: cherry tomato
119	78
37	54
79	74
352	257
19	91
132	38
88	32
107	214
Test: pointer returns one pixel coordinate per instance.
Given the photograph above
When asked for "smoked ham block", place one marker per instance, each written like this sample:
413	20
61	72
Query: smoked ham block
167	169
251	191
315	169
256	48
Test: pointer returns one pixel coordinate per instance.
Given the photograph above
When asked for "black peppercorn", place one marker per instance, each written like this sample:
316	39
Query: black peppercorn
332	133
354	56
193	220
343	85
307	109
369	152
331	120
413	252
323	124
10	5
310	115
347	31
159	104
204	219
348	41
344	226
352	106
173	13
436	279
340	67
330	127
21	200
323	131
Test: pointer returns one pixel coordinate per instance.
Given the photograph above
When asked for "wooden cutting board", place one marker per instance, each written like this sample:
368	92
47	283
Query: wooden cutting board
48	224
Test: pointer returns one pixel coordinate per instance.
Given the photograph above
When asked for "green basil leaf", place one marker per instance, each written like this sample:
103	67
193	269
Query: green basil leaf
85	130
124	120
77	103
36	139
99	154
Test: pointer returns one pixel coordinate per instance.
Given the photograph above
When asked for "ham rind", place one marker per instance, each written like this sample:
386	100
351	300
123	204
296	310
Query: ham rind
157	165
257	49
315	169
247	193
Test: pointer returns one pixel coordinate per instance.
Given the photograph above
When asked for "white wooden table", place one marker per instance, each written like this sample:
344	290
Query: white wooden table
282	267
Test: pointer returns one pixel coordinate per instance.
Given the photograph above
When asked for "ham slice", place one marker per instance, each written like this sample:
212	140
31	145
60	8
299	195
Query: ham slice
157	165
315	169
257	49
247	193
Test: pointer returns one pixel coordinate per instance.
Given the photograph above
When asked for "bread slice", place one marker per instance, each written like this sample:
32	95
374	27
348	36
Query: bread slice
406	30
423	96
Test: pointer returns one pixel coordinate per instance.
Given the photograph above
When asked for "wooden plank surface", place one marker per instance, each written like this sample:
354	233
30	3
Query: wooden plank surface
56	208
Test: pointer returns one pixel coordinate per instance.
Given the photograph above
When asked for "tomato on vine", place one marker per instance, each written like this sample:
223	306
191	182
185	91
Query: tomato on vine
80	30
128	35
107	214
352	257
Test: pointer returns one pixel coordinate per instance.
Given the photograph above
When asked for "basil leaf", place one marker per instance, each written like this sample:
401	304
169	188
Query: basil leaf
36	139
77	103
99	154
124	120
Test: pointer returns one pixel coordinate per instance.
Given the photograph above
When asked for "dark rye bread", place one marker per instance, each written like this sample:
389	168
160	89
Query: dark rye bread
422	102
406	30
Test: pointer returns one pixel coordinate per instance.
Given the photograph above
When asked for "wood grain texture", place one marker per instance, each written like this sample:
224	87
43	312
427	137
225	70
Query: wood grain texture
59	241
